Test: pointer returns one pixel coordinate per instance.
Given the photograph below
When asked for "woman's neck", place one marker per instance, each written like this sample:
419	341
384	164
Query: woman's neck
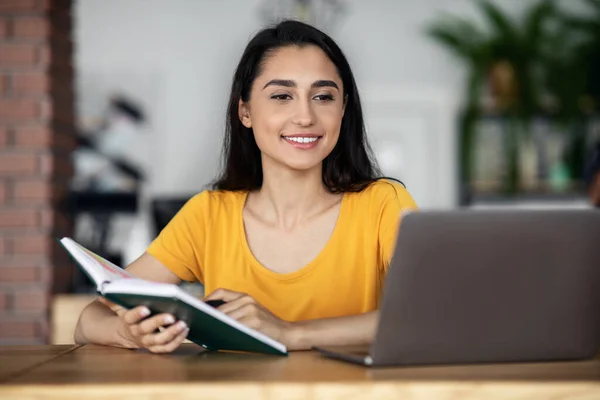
288	197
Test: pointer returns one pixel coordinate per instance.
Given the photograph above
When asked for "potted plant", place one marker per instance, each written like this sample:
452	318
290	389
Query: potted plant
504	64
574	77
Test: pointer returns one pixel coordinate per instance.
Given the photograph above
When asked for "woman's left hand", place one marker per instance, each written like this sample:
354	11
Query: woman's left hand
248	311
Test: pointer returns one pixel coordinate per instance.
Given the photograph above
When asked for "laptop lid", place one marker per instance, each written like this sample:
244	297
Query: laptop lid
492	286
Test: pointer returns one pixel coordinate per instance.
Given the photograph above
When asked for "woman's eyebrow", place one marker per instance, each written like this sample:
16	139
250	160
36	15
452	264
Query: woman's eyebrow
280	82
291	83
324	83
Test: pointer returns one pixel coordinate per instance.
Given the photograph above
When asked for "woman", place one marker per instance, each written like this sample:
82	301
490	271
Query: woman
299	230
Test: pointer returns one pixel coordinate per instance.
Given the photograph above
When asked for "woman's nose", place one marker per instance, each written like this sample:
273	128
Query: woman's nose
304	114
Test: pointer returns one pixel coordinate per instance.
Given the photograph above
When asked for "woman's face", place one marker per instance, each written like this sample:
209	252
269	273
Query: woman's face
296	107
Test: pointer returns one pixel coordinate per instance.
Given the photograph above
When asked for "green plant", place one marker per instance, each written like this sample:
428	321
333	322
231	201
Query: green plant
507	61
572	66
579	58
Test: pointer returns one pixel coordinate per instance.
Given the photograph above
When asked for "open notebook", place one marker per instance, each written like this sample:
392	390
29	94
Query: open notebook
209	327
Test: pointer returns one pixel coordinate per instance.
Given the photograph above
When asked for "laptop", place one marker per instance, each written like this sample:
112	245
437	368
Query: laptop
487	287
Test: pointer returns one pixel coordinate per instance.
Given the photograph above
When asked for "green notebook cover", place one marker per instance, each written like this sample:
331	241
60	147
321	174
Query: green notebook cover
205	330
209	327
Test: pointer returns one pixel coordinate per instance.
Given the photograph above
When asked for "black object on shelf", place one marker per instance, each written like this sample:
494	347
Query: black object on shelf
102	207
164	209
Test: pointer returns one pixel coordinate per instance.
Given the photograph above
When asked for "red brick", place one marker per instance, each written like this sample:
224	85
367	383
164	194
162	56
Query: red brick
18	163
60	110
18	329
32	190
30	300
18	54
18	218
62	278
3	84
56	4
53	219
3	136
19	274
3	28
8	6
51	165
46	110
34	244
18	110
3	194
30	27
32	83
3	301
64	139
58	55
62	25
36	137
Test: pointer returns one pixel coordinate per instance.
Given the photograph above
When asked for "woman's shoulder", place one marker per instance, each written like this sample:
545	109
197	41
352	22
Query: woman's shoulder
210	201
218	196
383	191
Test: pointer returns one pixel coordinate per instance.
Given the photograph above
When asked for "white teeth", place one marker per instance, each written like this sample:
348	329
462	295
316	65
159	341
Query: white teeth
301	139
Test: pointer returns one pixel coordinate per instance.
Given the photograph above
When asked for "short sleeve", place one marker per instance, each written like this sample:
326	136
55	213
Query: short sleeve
393	199
179	245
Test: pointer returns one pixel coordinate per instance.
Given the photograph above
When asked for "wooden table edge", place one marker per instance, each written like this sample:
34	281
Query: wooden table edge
386	389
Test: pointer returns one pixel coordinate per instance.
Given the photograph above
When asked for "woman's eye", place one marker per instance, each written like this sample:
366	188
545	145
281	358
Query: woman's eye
324	97
281	97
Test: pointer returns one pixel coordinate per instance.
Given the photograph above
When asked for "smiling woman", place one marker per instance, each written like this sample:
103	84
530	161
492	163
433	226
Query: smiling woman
301	113
298	230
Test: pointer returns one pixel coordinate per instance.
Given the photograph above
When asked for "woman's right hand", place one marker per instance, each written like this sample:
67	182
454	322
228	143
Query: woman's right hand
159	333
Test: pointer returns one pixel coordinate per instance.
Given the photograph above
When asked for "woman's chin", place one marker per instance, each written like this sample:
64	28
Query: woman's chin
302	165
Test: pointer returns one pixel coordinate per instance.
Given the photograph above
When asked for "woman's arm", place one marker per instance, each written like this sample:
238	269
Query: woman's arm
104	323
350	330
343	331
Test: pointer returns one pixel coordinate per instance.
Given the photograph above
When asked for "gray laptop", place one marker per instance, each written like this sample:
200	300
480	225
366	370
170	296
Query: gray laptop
489	286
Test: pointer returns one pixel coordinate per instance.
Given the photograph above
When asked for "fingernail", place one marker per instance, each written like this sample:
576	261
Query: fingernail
169	319
144	312
182	324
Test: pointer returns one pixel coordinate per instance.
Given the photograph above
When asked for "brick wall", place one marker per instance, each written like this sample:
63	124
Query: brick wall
36	139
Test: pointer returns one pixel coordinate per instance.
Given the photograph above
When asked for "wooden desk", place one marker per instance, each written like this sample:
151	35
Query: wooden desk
16	360
101	372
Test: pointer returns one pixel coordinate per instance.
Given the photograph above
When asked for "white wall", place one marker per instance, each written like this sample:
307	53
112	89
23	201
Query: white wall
179	55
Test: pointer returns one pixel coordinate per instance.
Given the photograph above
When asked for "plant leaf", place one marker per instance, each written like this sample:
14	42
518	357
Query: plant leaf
501	23
452	39
594	4
535	21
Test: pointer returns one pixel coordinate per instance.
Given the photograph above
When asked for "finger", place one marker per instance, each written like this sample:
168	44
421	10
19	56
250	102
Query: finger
135	315
149	325
225	295
117	309
106	302
232	306
165	336
172	345
251	321
247	310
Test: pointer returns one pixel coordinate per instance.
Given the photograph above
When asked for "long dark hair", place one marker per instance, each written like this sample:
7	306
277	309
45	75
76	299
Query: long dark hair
350	167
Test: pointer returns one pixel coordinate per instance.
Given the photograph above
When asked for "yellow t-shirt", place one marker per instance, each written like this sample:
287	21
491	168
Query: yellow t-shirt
206	241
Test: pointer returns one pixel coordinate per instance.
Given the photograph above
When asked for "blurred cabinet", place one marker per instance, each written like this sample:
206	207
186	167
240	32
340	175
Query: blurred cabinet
505	162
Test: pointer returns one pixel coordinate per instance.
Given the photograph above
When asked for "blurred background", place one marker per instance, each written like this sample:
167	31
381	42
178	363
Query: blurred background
112	115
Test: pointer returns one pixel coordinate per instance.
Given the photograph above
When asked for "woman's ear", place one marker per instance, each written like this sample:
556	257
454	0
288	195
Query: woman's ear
244	114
